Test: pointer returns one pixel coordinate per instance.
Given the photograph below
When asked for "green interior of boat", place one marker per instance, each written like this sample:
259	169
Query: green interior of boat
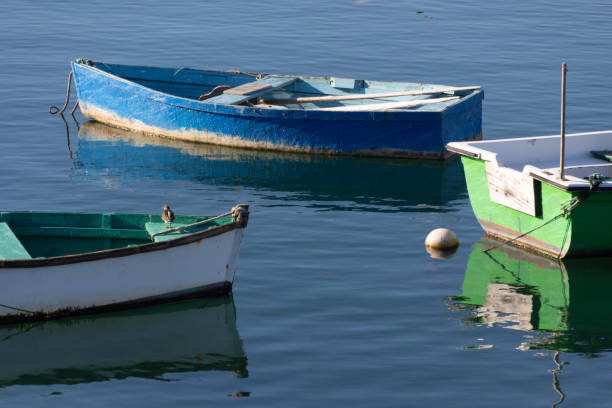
602	154
26	234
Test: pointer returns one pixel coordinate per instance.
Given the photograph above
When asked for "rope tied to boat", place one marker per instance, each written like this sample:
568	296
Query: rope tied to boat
17	309
240	214
54	110
595	180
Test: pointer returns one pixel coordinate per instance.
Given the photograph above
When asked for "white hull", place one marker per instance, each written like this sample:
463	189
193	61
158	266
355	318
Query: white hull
144	277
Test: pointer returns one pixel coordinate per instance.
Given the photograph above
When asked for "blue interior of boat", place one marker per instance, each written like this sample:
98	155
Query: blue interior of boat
192	83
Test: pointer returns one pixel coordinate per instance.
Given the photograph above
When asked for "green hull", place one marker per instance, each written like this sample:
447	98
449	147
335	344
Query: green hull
584	231
512	288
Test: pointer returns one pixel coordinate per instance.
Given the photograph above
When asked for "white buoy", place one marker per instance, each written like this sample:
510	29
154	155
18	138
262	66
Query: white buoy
441	238
441	243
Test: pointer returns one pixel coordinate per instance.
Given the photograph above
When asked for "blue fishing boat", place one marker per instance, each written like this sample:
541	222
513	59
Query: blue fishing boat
281	112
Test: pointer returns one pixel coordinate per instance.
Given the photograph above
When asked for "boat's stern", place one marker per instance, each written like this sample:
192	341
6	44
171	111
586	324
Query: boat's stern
516	192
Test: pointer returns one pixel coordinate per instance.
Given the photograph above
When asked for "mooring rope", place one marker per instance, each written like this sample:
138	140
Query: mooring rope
240	213
555	383
17	309
191	225
54	109
76	104
594	182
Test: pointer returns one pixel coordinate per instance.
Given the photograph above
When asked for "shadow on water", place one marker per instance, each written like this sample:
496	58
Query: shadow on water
568	301
193	335
330	181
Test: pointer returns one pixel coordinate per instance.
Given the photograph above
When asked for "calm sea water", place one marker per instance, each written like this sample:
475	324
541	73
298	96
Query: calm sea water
336	302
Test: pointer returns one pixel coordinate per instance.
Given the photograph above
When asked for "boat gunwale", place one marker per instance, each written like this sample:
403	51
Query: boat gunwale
476	149
123	251
242	110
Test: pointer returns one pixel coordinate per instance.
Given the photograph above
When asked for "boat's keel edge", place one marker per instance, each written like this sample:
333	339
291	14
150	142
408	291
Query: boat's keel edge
502	233
213	290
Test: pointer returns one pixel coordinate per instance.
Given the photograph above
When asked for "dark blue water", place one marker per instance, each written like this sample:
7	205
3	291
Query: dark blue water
335	302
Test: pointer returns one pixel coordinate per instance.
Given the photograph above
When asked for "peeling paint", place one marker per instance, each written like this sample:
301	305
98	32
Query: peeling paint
203	136
126	104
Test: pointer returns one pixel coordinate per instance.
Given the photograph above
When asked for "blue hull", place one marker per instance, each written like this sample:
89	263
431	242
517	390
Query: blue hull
164	102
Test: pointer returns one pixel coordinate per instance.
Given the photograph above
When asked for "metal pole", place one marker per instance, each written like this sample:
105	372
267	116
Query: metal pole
562	153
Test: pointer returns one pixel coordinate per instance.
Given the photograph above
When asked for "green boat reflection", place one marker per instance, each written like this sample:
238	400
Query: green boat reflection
568	302
335	182
193	335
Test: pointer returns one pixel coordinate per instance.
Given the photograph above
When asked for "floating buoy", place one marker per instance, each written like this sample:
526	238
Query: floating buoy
441	243
441	238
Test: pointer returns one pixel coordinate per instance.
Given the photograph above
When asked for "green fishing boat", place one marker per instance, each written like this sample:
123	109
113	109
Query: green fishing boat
521	195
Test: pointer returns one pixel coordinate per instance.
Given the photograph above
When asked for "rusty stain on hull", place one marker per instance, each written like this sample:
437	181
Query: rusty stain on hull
501	233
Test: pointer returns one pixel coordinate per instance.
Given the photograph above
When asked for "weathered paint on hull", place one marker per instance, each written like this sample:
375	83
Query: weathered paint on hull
125	104
585	231
205	266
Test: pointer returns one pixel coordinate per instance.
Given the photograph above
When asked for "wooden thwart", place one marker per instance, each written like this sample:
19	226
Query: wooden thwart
248	88
336	98
511	188
388	105
251	90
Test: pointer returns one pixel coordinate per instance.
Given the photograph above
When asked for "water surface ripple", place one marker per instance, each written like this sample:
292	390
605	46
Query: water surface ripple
336	302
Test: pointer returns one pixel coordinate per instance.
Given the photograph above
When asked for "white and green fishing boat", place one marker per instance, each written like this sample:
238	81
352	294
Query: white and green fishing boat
520	193
54	264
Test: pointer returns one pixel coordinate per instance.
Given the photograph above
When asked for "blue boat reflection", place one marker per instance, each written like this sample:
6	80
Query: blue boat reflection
193	335
394	185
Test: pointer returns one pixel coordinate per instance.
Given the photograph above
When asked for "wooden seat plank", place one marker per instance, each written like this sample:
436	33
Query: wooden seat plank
10	246
251	89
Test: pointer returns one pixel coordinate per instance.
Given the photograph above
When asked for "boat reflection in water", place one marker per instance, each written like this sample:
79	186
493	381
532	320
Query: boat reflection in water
106	152
566	305
568	299
192	335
